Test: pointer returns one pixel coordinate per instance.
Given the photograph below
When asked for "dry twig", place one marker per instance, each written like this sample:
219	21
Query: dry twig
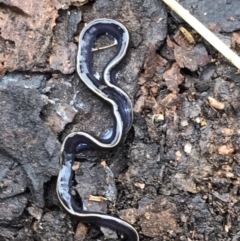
204	32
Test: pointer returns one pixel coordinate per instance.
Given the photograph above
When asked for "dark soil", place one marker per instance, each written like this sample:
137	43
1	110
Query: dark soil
176	176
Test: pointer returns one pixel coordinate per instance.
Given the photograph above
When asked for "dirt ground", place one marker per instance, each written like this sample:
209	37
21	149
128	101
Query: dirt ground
176	176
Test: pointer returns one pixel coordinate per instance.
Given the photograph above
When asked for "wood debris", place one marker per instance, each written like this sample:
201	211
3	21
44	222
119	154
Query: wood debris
96	198
215	104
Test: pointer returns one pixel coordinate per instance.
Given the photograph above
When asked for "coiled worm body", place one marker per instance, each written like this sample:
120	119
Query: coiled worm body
105	87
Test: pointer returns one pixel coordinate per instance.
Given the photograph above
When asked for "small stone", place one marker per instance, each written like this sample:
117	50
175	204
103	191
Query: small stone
224	197
227	132
159	217
154	90
198	120
130	215
229	174
140	185
35	212
184	218
203	122
147	215
225	150
158	117
184	123
188	148
81	232
109	234
226	227
178	155
76	166
182	182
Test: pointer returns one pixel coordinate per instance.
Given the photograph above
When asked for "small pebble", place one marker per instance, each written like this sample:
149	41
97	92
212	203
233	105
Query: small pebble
188	148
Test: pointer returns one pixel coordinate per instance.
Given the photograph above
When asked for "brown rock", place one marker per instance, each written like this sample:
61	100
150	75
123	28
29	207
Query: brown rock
81	232
141	100
170	43
236	38
63	52
173	78
152	61
26	32
225	150
64	114
130	215
64	4
63	58
168	101
158	217
191	57
227	132
29	34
